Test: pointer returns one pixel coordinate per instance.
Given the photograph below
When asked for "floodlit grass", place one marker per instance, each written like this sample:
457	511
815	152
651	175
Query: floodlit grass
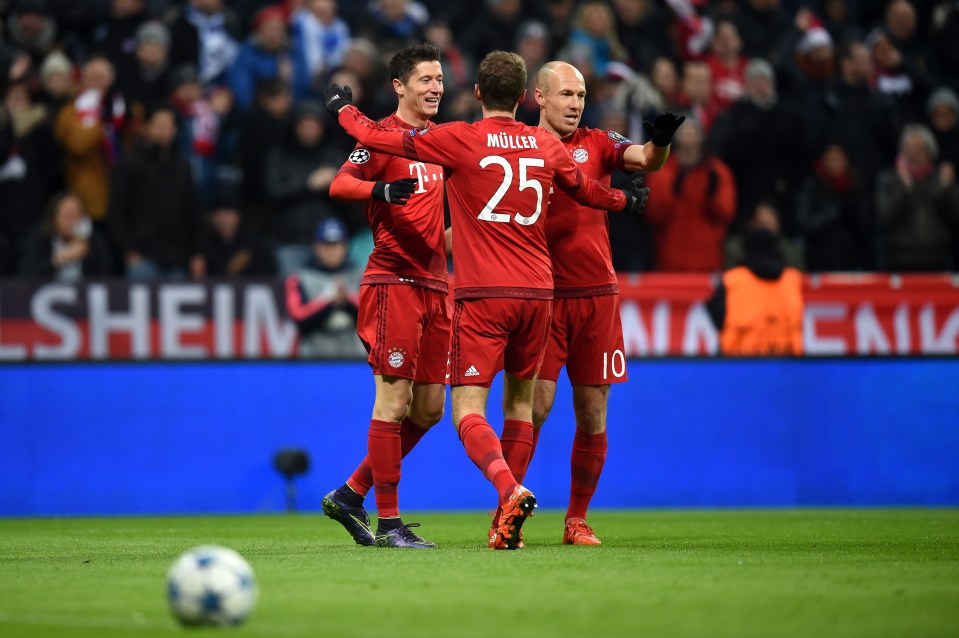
659	573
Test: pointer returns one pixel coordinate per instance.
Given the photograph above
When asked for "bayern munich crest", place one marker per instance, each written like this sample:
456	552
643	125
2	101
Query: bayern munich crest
396	357
580	155
360	156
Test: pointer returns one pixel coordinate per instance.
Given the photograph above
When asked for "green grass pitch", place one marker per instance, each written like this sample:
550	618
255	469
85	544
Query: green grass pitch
736	573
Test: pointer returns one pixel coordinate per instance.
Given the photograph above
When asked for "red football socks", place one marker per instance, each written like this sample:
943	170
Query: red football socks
513	433
361	481
484	449
586	464
517	442
385	452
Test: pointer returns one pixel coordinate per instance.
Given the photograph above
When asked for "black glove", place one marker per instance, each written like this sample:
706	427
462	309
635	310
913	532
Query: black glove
637	195
337	97
662	129
395	192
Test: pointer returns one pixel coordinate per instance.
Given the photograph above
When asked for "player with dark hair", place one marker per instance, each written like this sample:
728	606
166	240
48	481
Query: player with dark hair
586	334
404	319
499	180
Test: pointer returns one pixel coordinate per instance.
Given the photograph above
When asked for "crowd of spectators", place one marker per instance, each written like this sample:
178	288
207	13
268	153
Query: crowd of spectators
187	138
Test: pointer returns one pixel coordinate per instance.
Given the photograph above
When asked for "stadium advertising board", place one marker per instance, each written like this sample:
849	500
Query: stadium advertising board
663	315
845	315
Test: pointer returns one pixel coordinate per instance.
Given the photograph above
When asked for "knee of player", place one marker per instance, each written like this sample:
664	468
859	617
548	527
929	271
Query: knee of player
540	414
542	406
426	416
591	421
393	409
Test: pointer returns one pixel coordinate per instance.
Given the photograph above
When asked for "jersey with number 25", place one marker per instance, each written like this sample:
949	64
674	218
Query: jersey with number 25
498	178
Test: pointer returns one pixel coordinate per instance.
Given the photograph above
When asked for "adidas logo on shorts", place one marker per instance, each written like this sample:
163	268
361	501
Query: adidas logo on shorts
471	372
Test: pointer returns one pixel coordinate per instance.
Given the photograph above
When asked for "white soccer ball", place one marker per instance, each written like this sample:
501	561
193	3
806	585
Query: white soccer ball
211	585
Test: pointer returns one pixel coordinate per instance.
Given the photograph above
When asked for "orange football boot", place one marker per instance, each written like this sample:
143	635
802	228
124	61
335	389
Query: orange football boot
577	532
516	510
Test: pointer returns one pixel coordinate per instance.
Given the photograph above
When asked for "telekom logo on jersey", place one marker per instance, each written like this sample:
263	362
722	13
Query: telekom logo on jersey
419	171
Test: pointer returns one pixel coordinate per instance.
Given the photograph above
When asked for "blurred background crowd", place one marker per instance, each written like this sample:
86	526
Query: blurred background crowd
165	138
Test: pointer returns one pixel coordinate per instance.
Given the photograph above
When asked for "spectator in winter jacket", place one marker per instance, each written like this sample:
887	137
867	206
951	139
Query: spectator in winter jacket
899	74
760	138
56	83
727	63
30	172
32	29
204	33
66	247
116	37
943	110
154	208
298	177
265	54
394	24
201	116
261	128
320	41
833	214
943	107
230	248
918	204
855	115
692	202
147	80
696	94
322	297
93	130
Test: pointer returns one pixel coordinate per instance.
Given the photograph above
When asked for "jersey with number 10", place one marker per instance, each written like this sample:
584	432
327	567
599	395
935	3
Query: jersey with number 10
579	241
499	175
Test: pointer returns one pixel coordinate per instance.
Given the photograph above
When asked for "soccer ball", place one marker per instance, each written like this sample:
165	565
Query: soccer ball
211	585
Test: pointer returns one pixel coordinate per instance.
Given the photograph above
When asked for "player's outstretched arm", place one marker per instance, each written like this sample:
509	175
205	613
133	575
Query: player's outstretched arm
339	102
652	155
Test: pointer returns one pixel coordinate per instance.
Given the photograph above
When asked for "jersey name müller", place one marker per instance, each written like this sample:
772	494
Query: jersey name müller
498	196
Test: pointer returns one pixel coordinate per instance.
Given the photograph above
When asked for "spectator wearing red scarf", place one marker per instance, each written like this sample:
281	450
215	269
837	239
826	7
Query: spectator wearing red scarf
93	129
832	214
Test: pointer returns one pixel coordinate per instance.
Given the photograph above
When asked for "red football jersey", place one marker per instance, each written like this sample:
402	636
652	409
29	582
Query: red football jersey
578	236
499	175
409	242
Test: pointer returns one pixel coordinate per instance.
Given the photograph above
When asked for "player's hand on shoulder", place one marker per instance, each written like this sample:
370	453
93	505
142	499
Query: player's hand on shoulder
337	98
397	192
637	195
663	127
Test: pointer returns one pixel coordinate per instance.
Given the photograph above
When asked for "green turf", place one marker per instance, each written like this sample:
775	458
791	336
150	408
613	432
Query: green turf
675	573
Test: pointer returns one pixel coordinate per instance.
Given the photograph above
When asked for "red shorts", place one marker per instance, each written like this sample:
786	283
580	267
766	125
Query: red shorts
406	330
493	334
586	335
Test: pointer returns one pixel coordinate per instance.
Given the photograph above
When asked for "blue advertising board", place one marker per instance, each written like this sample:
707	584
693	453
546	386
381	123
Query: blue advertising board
156	438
